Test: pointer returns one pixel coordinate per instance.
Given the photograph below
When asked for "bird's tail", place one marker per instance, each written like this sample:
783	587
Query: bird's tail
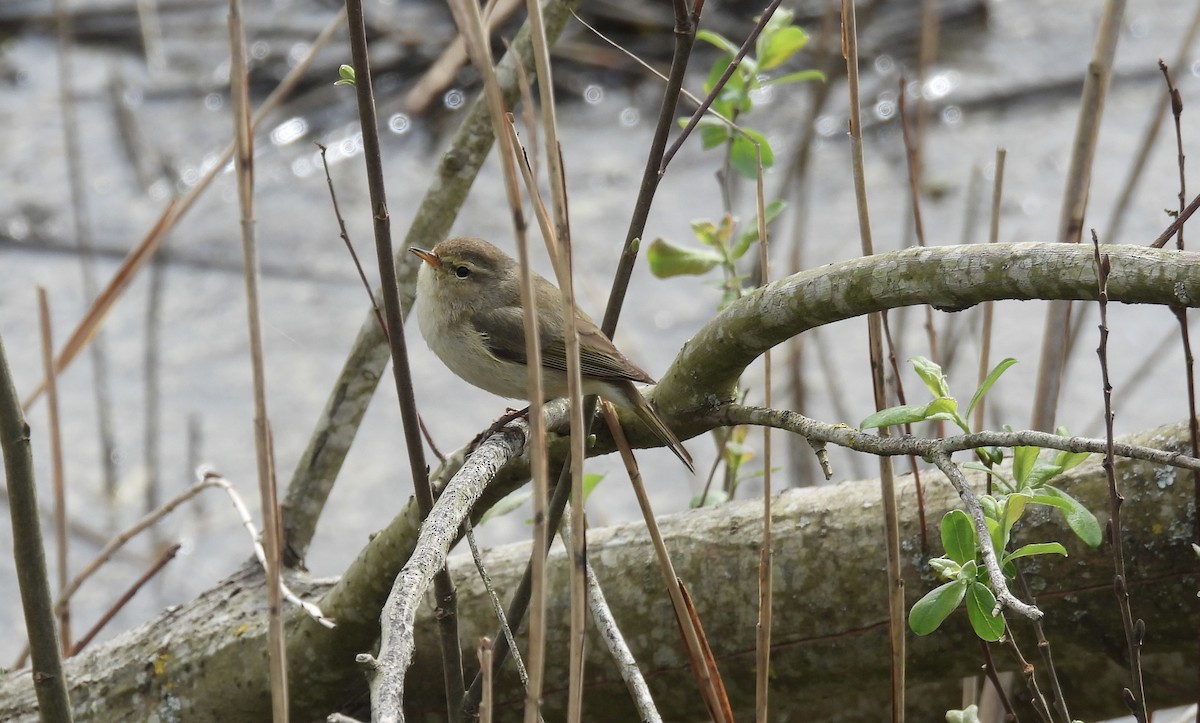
651	419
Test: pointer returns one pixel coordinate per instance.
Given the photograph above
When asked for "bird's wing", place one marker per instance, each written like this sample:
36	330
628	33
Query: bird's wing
506	336
599	359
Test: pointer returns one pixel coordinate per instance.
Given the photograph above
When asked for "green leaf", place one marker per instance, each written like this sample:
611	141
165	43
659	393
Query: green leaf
988	381
1041	473
928	613
942	408
750	235
590	481
742	153
1069	460
780	46
346	73
712	499
958	537
1014	507
507	504
667	259
720	41
932	375
991	471
903	414
707	233
1023	459
970	714
734	97
990	507
797	77
946	568
713	135
1037	548
1079	518
980	603
996	534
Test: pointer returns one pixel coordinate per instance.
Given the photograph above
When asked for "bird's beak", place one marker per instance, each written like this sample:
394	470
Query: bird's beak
428	257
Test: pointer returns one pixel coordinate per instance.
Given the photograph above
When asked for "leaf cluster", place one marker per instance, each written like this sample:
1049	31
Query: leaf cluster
1028	484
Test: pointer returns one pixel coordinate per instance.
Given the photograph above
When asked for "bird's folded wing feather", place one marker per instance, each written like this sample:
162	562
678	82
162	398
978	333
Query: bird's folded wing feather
599	359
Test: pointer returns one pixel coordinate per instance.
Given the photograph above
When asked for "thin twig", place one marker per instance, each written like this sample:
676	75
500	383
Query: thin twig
912	153
843	436
766	575
497	608
614	641
686	23
1177	224
89	326
49	682
1181	313
1112	232
1004	597
345	236
989	670
1055	334
901	398
213	478
895	581
243	159
711	687
1043	646
485	665
56	465
1036	698
1135	697
166	556
77	182
471	28
373	156
119	540
985	331
719	86
557	237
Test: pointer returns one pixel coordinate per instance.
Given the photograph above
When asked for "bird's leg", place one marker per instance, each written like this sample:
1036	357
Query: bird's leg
508	416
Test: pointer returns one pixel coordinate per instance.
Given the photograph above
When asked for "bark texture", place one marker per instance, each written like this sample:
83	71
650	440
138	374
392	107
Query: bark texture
206	660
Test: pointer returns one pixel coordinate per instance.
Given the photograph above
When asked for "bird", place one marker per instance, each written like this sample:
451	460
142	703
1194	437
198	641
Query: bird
468	305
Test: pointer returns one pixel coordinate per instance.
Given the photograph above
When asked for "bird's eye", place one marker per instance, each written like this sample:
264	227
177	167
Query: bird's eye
462	272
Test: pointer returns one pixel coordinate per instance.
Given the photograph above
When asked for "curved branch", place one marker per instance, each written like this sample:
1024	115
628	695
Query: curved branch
843	436
950	278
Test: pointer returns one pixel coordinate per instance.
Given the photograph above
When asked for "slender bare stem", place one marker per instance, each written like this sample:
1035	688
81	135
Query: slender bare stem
766	575
1135	697
394	315
1055	334
77	182
895	582
56	466
87	328
29	556
985	333
166	556
691	636
244	165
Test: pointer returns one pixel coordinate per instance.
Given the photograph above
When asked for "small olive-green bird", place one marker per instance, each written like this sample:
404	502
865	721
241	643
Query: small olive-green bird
469	310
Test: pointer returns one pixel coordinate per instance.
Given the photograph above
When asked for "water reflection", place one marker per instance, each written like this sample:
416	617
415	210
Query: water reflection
289	131
399	124
593	94
453	99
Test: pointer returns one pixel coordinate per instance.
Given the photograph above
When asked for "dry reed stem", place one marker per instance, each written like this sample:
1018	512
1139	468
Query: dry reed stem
895	583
